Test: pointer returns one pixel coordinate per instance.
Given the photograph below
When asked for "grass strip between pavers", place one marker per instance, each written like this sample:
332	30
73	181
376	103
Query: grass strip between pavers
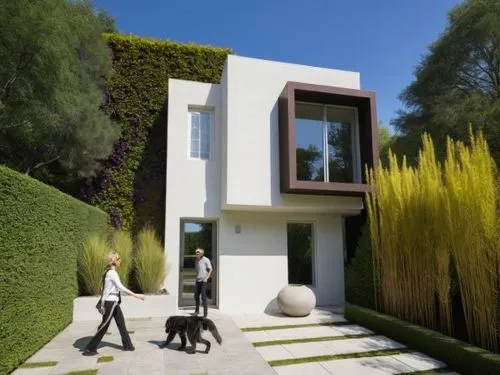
310	339
332	357
265	328
83	372
428	372
104	359
138	319
38	364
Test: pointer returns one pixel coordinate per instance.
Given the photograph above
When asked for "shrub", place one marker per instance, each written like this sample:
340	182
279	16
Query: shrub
149	262
360	288
41	232
121	241
92	263
131	187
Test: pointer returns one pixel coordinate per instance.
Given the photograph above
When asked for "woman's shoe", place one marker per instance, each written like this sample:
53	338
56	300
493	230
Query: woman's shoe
89	352
131	349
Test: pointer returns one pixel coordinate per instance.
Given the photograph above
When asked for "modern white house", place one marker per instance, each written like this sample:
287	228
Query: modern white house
262	170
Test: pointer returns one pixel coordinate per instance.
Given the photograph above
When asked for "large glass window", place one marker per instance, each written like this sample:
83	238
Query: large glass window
326	143
200	123
300	253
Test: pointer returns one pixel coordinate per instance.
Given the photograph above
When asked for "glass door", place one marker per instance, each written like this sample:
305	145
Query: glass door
197	234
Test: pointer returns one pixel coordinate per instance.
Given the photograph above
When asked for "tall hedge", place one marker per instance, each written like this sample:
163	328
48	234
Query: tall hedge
41	230
359	281
131	187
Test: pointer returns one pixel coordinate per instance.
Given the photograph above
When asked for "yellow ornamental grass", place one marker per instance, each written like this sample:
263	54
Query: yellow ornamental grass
470	180
121	241
423	217
150	261
92	263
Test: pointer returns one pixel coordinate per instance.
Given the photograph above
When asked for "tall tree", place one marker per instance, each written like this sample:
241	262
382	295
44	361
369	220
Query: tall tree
457	83
385	142
53	68
107	22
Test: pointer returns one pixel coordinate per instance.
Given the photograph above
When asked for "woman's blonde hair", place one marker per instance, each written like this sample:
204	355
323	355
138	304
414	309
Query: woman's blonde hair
112	258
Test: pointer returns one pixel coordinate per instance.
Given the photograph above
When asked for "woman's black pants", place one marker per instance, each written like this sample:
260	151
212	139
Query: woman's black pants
112	310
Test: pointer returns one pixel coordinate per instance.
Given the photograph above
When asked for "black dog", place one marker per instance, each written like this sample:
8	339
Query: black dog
191	326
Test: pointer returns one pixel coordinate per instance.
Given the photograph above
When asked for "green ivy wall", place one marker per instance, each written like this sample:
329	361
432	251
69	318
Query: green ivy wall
131	188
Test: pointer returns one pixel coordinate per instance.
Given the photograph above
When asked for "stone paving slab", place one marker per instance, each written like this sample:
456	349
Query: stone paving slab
305	332
312	368
419	361
313	349
369	365
361	366
396	364
34	371
318	315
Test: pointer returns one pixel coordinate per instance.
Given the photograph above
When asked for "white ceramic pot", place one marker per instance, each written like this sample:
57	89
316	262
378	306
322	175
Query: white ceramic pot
296	300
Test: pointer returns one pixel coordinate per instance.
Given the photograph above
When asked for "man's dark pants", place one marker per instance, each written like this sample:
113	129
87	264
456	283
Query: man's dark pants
201	289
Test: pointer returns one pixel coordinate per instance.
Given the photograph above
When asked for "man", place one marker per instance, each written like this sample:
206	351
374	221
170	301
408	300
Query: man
203	269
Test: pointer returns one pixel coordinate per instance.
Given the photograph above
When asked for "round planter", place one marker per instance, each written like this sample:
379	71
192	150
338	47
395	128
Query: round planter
296	300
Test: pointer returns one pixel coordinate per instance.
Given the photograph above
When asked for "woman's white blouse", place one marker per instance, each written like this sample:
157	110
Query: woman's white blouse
112	285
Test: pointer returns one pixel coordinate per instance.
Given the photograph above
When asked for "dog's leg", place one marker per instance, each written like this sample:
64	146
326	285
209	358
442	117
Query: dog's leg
192	341
207	343
170	337
183	341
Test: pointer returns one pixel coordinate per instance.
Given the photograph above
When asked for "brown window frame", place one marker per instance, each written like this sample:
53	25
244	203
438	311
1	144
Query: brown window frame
364	101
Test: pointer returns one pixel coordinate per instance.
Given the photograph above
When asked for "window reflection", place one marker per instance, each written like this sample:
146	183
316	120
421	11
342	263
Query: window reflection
309	142
340	144
325	139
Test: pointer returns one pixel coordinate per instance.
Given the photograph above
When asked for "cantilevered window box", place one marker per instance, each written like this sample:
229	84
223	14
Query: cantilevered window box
328	135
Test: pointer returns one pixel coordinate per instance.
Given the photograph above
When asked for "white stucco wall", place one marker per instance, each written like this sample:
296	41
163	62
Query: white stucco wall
193	186
252	157
253	264
239	185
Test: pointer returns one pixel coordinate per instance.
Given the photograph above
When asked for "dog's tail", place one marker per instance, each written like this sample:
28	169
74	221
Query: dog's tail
213	330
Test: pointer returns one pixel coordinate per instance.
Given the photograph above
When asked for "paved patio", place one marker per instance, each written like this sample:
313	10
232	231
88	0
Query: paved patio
236	355
324	334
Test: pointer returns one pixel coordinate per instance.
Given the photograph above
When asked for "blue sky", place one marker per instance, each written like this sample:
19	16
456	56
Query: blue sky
383	40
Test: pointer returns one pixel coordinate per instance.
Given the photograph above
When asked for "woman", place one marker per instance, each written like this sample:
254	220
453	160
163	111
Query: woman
111	299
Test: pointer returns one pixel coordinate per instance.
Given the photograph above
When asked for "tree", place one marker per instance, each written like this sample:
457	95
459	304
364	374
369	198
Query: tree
385	142
53	68
307	160
457	83
108	23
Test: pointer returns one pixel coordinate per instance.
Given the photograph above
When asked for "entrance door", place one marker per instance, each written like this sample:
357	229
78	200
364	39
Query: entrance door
197	234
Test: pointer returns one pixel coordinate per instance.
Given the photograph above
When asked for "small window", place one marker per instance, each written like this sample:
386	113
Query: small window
200	124
300	253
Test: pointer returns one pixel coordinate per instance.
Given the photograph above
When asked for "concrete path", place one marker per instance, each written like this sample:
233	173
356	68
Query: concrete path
235	356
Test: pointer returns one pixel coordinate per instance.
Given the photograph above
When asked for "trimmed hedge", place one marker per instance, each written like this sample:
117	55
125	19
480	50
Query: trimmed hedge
359	281
460	356
41	230
131	188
